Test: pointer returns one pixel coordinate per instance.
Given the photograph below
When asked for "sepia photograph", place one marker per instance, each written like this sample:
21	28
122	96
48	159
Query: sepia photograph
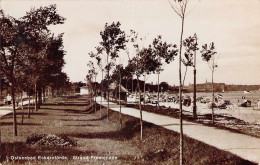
129	82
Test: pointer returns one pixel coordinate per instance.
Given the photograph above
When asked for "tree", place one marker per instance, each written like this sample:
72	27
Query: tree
127	74
180	8
60	83
117	74
101	63
191	47
133	42
21	37
113	40
11	38
208	54
92	74
21	86
165	53
144	63
164	85
36	22
52	68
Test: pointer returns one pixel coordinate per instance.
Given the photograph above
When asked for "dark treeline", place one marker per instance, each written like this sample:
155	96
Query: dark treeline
31	56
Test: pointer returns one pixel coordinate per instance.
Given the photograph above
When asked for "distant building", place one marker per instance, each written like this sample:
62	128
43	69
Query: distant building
84	90
123	93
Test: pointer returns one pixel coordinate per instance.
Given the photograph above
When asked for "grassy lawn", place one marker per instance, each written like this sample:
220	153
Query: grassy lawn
102	139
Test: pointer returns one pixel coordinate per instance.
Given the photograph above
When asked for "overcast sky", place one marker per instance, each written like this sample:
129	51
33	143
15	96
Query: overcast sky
234	26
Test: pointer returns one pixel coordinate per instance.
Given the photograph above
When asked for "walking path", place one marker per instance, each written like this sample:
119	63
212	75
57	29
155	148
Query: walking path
4	110
247	147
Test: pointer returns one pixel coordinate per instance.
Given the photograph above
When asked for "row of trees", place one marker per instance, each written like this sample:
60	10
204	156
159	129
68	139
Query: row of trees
144	60
31	57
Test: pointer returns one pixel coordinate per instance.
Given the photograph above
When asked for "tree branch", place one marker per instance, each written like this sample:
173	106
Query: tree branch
184	76
174	9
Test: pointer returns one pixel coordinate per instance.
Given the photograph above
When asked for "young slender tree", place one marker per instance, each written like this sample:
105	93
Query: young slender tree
165	53
127	74
97	55
191	46
208	55
117	76
113	40
21	86
144	62
92	73
135	44
180	8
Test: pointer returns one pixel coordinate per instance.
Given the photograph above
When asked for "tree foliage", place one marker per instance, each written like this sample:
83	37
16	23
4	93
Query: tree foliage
24	45
190	44
208	51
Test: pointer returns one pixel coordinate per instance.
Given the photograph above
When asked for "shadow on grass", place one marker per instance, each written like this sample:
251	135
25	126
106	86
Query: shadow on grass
54	104
127	132
82	125
22	150
26	124
65	110
102	118
164	125
34	113
25	113
71	119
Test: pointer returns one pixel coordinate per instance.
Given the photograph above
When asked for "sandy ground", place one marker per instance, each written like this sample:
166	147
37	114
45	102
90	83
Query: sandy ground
247	114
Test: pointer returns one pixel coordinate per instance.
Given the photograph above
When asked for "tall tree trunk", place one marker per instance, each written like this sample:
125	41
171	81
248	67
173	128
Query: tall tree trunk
140	108
29	113
212	106
22	106
33	103
119	93
107	104
1	88
195	87
144	89
126	85
95	94
35	100
101	94
92	100
107	90
158	91
180	95
14	110
44	94
52	93
132	84
39	90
